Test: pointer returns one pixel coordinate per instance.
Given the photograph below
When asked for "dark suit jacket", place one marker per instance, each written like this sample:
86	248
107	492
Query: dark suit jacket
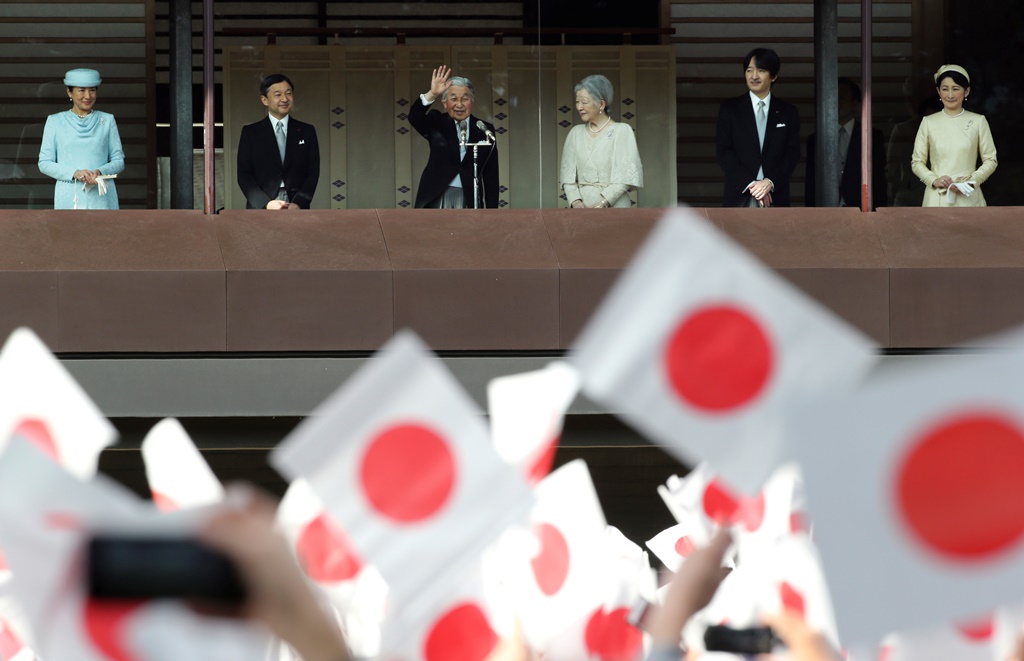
849	185
740	157
260	170
444	164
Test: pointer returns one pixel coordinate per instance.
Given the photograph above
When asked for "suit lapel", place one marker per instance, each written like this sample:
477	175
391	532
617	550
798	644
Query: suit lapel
769	129
291	142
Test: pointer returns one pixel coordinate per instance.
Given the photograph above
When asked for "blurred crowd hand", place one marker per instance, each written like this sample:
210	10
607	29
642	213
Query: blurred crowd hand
802	642
512	648
278	593
692	588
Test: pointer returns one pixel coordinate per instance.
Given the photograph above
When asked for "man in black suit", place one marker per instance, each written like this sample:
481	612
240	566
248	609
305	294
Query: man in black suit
447	181
758	138
850	100
278	156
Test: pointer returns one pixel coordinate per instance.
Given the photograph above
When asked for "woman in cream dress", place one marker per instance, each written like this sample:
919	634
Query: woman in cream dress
600	161
949	144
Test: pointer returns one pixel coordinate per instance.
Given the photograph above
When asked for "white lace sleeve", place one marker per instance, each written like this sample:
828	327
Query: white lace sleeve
626	167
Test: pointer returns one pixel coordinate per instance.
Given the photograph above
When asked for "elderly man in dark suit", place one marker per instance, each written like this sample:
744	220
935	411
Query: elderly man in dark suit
447	181
850	100
758	138
278	156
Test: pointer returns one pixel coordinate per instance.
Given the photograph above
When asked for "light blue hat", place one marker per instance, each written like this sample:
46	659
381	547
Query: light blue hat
82	78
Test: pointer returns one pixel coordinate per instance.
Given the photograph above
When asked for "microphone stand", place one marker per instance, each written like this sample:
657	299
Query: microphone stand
476	179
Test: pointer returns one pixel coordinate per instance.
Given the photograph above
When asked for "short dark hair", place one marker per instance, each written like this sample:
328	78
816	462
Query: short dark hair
957	77
854	88
274	79
764	58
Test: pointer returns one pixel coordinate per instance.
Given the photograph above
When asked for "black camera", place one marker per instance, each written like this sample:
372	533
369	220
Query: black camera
161	568
749	642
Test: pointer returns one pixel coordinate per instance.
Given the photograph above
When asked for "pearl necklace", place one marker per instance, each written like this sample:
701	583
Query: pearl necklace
600	129
952	116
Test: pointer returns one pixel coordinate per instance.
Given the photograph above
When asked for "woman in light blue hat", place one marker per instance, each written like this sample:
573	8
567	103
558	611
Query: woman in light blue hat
80	145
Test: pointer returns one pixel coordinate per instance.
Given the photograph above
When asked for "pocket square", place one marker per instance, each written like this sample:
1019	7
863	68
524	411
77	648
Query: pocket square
778	126
302	142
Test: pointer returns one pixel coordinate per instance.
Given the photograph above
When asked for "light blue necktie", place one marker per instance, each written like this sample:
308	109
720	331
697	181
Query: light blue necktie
762	124
280	139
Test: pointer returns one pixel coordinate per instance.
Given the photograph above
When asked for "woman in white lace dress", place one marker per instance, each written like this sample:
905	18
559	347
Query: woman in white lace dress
600	161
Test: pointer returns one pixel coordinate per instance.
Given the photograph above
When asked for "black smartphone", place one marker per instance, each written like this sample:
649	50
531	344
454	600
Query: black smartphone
154	568
749	642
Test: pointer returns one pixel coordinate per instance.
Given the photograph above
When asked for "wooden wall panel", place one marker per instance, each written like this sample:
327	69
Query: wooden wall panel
526	91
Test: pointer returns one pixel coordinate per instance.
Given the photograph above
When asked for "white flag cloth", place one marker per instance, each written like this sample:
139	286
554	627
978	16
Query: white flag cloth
401	458
326	555
527	411
177	473
41	402
700	347
465	625
969	642
564	581
673	545
913	484
46	517
789	576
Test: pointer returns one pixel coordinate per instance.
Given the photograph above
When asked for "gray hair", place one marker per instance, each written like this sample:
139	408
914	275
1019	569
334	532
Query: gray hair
598	87
459	81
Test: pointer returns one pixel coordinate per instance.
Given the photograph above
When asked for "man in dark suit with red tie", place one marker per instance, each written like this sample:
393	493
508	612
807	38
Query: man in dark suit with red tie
447	181
758	138
278	156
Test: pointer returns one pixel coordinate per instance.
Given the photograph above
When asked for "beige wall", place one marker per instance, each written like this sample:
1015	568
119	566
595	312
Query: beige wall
358	98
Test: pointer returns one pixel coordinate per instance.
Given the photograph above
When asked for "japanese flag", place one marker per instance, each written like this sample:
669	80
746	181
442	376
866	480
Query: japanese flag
46	518
326	555
700	347
673	545
563	582
42	403
527	411
177	473
467	624
401	458
914	486
704	502
789	576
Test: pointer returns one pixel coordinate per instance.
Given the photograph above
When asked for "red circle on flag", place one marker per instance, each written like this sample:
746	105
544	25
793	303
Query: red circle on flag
408	473
551	566
978	632
38	433
325	553
610	637
684	546
719	503
959	488
105	622
719	359
462	633
792	600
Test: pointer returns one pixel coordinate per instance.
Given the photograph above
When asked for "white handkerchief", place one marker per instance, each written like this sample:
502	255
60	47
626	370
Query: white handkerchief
963	187
101	183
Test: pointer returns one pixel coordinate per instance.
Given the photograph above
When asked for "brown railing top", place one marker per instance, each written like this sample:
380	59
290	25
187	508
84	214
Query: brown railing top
400	34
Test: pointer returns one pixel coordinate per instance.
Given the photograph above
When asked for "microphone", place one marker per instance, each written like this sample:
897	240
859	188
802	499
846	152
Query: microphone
483	127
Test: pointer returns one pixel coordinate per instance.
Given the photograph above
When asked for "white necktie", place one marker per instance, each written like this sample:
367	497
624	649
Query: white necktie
280	139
